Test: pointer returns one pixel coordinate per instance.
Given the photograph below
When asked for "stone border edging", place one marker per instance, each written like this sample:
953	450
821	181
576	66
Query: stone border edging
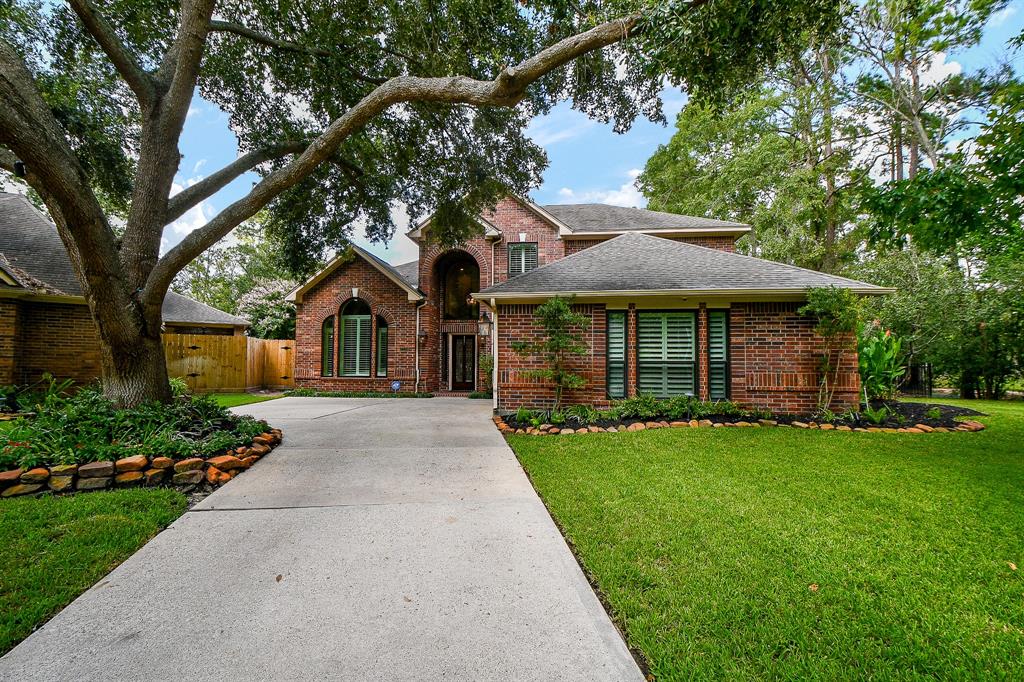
139	470
551	430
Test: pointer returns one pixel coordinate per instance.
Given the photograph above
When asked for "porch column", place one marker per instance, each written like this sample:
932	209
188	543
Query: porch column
631	350
702	352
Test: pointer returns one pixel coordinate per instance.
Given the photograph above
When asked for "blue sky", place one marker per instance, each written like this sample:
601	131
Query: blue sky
588	161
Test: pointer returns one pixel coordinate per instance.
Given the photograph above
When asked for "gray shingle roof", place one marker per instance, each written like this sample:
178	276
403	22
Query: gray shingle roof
639	262
605	218
30	243
33	254
184	310
410	272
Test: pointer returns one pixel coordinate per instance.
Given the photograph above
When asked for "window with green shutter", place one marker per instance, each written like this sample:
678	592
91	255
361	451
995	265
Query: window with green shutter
666	353
327	347
522	257
718	354
616	355
382	347
355	334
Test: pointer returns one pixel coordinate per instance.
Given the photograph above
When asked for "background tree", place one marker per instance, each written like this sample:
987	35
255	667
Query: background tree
561	340
342	109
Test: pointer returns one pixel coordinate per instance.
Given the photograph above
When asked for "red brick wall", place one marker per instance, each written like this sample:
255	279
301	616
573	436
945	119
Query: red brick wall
10	319
57	338
516	323
774	359
721	243
774	356
386	299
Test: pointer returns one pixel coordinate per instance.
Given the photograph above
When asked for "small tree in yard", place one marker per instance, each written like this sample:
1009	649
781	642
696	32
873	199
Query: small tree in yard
836	313
561	340
340	109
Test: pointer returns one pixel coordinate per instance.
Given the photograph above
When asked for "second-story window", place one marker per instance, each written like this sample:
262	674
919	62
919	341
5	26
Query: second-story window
522	257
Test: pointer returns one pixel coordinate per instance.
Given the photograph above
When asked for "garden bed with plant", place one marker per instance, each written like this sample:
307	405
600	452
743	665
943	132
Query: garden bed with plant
646	412
63	442
312	393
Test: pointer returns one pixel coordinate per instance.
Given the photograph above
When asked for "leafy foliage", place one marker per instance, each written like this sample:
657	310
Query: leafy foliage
836	312
882	364
86	427
313	393
561	339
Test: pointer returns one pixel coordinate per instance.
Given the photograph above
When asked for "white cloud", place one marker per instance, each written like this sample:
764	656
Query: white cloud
192	111
199	164
193	219
938	69
1003	15
626	195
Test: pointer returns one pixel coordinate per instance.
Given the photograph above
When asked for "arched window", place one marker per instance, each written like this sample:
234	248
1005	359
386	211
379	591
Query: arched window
461	278
355	335
327	348
382	347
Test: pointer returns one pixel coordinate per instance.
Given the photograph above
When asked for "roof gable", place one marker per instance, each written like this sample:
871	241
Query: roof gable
638	264
604	219
387	270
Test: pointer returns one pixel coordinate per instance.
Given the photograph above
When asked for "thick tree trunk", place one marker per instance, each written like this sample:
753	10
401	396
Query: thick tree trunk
136	374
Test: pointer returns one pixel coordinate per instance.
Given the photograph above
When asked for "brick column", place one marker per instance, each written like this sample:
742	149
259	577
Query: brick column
631	350
702	352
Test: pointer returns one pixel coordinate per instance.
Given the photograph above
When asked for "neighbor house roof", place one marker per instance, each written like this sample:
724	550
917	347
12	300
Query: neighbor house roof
410	272
639	264
33	257
389	271
602	219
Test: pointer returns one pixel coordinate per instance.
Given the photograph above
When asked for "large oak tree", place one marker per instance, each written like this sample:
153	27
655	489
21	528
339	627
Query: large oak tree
341	107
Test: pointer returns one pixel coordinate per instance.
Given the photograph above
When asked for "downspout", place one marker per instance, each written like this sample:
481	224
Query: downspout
494	355
416	343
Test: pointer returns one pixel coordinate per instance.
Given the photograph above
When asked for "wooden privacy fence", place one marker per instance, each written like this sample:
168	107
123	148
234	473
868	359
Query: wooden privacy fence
210	363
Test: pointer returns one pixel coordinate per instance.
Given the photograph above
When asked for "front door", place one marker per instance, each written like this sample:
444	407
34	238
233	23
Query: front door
463	363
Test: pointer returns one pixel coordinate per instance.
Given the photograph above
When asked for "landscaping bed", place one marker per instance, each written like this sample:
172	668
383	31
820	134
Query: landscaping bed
646	412
79	442
311	393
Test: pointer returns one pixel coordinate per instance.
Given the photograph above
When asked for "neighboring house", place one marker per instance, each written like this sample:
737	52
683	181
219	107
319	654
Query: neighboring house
45	324
673	310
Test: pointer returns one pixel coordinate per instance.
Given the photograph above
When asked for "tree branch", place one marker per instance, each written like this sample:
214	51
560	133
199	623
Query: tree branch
506	90
263	39
189	197
138	79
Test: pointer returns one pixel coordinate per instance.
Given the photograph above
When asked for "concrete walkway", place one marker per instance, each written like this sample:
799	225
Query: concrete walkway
384	540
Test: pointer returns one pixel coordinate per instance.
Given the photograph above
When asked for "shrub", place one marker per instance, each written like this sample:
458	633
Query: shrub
313	393
640	406
560	340
877	415
86	427
583	414
881	364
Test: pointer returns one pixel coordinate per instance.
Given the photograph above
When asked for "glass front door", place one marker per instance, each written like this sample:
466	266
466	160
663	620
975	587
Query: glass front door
463	362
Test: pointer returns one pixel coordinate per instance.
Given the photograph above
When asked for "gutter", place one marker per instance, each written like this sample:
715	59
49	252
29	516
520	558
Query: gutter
686	293
417	343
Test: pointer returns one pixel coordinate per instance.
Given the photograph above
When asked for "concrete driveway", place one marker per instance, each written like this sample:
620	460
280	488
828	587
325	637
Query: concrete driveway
384	540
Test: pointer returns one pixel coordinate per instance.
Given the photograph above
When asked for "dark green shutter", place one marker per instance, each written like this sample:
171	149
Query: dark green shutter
355	340
327	348
718	354
616	355
382	350
666	353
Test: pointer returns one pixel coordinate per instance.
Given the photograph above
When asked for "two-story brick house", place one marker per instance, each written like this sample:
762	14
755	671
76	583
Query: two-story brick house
673	309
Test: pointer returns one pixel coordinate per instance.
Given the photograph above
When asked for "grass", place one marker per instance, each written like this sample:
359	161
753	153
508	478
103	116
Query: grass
781	553
54	548
236	399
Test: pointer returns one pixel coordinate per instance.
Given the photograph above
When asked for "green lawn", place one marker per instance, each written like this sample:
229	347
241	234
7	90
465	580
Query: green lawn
54	548
236	399
781	553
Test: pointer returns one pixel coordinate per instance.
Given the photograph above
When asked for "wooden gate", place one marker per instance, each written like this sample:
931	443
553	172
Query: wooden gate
211	363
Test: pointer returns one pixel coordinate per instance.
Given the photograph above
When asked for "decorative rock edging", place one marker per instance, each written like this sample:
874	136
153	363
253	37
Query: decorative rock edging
138	470
551	430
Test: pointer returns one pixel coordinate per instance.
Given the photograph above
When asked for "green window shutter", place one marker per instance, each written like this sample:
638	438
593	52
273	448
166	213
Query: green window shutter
718	354
327	348
522	257
616	355
666	353
382	350
355	340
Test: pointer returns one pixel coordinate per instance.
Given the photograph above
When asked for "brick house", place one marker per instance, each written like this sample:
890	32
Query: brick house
673	309
45	325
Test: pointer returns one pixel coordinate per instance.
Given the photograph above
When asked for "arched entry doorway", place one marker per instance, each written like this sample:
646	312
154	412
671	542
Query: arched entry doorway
458	276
